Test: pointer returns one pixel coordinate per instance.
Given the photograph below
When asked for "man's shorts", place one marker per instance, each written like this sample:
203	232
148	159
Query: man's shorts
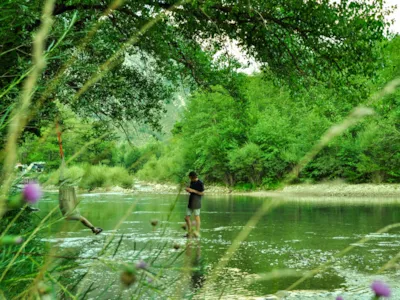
190	211
68	203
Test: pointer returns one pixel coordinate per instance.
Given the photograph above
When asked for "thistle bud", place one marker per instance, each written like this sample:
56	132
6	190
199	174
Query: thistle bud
128	276
43	289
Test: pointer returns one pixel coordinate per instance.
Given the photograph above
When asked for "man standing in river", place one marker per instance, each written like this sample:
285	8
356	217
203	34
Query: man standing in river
196	190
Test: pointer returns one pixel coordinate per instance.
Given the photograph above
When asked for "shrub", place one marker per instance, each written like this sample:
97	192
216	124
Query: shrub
89	177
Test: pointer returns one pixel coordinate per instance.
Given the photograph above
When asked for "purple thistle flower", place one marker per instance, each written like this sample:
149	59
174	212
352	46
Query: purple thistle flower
141	265
339	298
380	289
32	192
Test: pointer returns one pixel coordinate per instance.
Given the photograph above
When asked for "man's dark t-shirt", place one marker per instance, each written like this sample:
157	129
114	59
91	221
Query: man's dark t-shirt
194	199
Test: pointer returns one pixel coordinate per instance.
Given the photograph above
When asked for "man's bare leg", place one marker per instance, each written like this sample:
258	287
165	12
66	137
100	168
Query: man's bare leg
189	228
197	218
85	222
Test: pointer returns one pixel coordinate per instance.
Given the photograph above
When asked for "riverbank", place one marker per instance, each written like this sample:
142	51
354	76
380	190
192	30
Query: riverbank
332	189
144	187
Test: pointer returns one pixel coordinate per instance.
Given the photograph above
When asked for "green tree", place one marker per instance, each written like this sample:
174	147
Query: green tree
247	163
213	125
296	40
258	134
76	133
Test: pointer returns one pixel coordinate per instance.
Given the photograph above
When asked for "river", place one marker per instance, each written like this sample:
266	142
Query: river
298	234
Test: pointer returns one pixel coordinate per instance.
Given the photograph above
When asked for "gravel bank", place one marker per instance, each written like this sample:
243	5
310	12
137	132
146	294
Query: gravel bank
333	189
344	190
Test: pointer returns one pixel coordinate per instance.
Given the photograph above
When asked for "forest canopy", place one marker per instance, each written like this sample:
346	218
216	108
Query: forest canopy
301	42
114	63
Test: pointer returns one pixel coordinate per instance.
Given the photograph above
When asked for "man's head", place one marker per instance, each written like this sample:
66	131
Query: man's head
193	176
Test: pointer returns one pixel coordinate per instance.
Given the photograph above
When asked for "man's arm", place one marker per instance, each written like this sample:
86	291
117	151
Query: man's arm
194	191
199	188
197	192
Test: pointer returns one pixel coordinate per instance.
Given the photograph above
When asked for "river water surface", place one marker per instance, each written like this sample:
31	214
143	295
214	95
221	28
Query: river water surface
299	235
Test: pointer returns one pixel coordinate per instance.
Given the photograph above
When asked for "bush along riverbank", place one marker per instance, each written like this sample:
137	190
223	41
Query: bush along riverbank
89	177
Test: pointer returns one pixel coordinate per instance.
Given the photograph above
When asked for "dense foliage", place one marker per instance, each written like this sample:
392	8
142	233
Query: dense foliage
257	138
296	40
252	137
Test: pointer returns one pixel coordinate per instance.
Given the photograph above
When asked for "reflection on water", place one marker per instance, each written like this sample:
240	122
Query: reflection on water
299	234
196	263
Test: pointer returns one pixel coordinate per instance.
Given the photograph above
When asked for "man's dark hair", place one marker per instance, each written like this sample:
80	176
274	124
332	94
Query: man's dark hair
193	174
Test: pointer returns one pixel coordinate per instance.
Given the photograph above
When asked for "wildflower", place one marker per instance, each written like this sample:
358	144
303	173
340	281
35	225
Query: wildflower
32	192
154	222
141	265
380	289
11	240
128	276
339	298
